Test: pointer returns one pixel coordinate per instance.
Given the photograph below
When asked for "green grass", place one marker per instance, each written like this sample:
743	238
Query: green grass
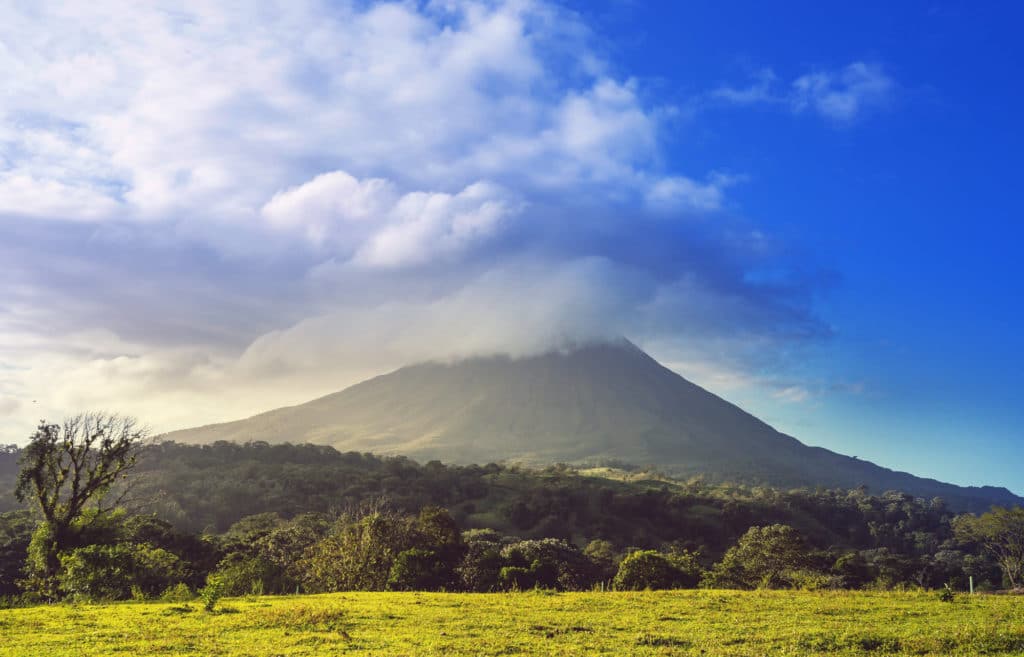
708	623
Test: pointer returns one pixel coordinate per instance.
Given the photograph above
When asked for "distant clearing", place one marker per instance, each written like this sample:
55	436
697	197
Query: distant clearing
709	623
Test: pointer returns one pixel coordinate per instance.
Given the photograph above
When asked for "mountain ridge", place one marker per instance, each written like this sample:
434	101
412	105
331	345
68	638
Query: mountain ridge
595	402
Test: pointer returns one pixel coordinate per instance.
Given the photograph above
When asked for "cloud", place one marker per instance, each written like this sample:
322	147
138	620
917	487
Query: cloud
675	193
202	113
841	96
9	406
370	222
792	394
209	210
762	90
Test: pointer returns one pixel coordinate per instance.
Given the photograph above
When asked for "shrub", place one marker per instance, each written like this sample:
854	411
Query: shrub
118	572
604	557
552	563
212	592
480	567
180	592
418	570
516	578
649	569
240	574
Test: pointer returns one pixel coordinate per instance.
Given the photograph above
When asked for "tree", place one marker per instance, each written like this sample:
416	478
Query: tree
605	558
1001	533
645	569
549	563
417	569
359	554
764	557
480	567
66	469
649	569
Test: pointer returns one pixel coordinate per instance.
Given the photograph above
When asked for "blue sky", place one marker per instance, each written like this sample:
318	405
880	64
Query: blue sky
208	211
910	205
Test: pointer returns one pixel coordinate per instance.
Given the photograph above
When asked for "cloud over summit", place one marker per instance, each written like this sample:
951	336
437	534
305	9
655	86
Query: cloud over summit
278	200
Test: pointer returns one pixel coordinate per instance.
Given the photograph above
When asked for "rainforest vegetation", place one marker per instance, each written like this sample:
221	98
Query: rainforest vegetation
260	518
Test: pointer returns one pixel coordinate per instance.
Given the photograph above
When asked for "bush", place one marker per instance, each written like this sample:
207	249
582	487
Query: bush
212	592
648	569
118	572
516	578
241	574
551	563
418	570
180	592
480	567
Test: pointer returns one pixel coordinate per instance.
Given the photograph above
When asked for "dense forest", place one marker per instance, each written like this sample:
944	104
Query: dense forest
286	518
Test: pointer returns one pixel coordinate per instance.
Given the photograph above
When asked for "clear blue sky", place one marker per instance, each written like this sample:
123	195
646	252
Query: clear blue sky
809	208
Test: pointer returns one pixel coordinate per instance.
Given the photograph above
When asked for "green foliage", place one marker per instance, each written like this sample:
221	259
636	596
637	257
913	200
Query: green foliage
257	493
549	563
651	570
16	529
520	578
946	594
1001	533
240	574
645	569
179	592
765	557
359	554
117	572
361	550
212	592
604	557
482	562
65	469
417	569
853	570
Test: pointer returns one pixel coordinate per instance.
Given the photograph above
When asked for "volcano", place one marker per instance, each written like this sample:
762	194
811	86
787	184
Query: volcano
595	403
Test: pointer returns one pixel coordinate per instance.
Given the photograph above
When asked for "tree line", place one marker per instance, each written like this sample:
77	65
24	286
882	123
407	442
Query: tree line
282	519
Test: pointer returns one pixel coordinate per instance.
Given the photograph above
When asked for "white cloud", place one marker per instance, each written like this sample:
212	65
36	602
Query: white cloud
841	96
762	90
246	205
425	227
330	204
370	222
24	196
792	394
204	112
679	193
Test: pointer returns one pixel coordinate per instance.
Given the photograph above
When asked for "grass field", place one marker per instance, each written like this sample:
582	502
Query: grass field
709	623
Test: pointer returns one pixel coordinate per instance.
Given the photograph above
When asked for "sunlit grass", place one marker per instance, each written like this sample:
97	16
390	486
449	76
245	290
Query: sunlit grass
710	623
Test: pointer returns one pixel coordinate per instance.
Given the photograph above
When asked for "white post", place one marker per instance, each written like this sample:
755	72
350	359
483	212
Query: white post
971	580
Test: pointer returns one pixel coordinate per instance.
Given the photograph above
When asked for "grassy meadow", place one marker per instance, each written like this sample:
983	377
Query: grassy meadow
709	623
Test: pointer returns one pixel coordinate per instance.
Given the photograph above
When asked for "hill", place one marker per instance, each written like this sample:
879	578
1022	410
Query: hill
595	403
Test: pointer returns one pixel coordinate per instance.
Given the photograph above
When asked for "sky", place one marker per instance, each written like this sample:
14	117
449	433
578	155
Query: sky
811	209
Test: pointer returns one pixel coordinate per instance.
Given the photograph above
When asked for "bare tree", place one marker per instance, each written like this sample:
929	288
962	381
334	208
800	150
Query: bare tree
70	467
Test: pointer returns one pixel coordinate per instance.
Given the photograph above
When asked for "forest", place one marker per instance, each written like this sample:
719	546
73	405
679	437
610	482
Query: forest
261	518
